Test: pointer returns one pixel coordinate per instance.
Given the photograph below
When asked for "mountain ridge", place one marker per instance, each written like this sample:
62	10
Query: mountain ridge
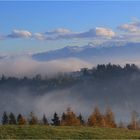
89	52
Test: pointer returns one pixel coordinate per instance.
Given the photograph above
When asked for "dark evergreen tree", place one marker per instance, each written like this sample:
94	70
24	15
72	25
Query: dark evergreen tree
63	116
80	117
18	117
5	119
12	119
21	120
56	120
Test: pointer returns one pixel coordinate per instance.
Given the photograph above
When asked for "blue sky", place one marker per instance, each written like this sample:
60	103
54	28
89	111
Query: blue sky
42	17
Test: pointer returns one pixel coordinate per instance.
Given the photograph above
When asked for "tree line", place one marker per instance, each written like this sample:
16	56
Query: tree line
69	118
40	84
100	69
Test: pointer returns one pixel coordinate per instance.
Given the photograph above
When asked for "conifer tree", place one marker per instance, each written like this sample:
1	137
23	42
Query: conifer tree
109	119
55	120
21	120
96	118
5	119
63	116
70	119
80	117
12	119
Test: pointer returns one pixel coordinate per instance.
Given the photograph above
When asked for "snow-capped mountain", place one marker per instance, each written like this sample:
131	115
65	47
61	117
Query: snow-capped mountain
103	52
114	52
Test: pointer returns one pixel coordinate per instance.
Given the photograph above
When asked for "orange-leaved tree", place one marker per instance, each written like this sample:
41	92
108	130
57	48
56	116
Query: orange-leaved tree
109	119
96	118
69	118
21	120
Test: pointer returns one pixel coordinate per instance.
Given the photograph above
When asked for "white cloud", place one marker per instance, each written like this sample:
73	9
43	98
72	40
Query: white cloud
128	27
104	32
20	34
67	34
92	33
130	31
132	27
58	31
127	32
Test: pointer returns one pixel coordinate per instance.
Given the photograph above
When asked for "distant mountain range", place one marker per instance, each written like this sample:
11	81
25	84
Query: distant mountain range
114	52
106	52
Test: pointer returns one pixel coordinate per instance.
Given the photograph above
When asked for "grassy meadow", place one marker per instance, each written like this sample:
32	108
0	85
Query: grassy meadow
65	132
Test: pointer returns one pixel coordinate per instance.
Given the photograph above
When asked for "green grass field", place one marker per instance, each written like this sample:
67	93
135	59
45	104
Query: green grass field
63	132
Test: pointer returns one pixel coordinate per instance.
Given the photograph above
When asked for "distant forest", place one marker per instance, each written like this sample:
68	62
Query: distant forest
42	84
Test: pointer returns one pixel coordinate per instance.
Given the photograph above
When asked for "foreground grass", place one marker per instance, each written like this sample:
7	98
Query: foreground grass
63	132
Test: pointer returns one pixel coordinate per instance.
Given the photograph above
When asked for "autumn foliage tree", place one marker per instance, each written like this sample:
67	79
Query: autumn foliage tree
109	120
69	118
21	120
96	119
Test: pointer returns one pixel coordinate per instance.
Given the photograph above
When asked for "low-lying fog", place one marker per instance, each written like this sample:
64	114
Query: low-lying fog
82	97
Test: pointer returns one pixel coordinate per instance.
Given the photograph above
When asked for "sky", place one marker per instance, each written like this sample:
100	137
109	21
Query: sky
29	27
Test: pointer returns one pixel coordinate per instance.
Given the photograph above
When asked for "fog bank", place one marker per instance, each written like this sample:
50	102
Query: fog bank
25	66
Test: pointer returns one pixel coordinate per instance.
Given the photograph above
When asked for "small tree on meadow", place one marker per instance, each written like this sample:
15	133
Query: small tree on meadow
109	119
12	119
21	120
33	119
63	117
96	118
55	120
5	119
80	117
70	119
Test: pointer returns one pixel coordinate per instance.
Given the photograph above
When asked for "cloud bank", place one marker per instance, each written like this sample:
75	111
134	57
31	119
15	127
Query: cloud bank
124	32
25	66
130	27
62	33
